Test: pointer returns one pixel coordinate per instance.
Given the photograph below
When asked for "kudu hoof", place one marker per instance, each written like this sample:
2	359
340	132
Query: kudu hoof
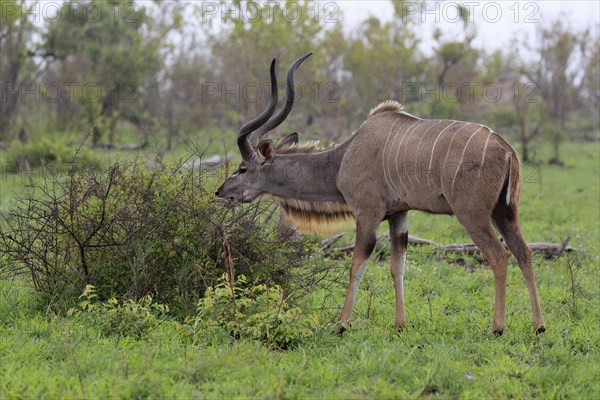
540	329
497	332
341	327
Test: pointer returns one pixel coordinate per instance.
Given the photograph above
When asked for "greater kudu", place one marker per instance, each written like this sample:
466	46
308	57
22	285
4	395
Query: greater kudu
394	162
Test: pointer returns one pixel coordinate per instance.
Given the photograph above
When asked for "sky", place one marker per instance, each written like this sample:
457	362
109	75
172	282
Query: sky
497	21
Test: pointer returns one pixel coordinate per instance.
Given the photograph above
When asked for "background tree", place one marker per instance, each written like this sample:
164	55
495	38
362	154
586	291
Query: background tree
556	75
454	64
16	66
518	108
116	55
188	79
252	34
143	64
590	88
382	57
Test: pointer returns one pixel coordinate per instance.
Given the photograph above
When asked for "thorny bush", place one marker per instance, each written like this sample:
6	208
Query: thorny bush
131	231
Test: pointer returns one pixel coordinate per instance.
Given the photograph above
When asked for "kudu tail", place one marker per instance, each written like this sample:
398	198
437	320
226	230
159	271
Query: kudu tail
511	190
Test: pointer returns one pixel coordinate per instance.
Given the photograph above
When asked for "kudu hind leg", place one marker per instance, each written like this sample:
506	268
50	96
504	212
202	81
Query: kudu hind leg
398	241
484	237
366	236
511	233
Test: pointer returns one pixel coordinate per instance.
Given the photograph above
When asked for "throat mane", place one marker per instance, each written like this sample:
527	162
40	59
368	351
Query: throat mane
316	216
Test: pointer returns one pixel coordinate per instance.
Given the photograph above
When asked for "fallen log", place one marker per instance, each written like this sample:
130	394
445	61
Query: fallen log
122	146
548	250
590	137
417	241
552	250
326	243
412	240
209	162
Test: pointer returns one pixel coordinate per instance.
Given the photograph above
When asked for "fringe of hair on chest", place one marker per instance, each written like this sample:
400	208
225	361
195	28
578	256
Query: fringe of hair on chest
325	217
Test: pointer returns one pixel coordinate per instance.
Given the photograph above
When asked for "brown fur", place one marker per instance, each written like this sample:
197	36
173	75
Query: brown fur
330	217
388	105
396	162
324	217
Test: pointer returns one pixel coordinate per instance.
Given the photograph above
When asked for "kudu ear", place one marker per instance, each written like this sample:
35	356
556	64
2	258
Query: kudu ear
265	148
289	140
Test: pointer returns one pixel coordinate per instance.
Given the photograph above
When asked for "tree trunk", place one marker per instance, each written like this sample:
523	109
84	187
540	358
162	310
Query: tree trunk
170	127
555	160
95	136
13	53
524	139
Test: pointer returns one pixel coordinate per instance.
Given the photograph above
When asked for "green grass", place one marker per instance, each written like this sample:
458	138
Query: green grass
189	146
446	350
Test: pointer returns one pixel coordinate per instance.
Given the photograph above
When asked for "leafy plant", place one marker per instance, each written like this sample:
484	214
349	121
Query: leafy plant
256	312
114	318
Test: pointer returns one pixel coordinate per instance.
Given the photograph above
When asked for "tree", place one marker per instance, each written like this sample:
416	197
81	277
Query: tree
591	84
252	34
382	58
518	108
455	62
117	54
16	67
556	75
187	78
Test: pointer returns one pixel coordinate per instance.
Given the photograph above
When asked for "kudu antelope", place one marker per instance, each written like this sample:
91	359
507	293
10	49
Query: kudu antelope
393	163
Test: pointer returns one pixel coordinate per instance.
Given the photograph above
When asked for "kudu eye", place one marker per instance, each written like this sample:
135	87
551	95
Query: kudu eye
242	170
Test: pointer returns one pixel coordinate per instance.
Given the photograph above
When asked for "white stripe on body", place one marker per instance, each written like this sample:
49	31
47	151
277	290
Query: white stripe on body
436	140
414	127
442	171
383	163
508	193
484	150
394	146
462	157
421	142
428	172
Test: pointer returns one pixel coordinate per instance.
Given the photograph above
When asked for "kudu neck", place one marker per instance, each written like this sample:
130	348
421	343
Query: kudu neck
307	176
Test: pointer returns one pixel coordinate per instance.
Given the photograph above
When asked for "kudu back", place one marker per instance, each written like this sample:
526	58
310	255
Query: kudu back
393	163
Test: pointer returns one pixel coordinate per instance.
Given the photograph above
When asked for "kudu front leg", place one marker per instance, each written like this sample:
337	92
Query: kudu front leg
398	242
366	236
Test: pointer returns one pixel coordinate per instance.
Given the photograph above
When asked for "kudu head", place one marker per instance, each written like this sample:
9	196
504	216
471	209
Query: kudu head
251	178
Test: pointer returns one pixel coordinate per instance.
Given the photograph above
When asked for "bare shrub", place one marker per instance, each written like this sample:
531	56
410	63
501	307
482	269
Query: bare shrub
132	232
